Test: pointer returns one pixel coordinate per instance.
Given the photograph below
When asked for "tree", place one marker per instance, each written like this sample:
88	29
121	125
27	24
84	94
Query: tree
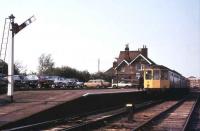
101	75
46	64
4	68
19	68
69	72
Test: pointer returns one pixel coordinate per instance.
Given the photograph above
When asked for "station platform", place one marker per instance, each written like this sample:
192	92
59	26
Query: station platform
29	103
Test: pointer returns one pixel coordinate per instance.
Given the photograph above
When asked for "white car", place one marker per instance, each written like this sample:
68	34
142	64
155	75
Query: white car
98	83
122	84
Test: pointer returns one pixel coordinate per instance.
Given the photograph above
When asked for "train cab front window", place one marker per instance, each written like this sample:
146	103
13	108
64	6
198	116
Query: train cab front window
148	75
156	74
164	75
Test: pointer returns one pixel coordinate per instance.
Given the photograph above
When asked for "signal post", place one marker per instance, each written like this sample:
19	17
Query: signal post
15	28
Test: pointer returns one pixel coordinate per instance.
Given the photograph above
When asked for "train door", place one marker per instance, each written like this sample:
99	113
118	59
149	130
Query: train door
156	78
164	80
148	78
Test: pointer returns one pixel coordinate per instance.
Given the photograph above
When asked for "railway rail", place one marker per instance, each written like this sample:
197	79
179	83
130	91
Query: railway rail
153	115
193	121
83	121
174	118
169	115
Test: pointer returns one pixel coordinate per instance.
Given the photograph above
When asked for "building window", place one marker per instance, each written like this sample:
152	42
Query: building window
122	69
138	67
131	69
137	75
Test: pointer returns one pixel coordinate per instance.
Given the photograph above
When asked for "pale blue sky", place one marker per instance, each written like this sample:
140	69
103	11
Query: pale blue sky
78	32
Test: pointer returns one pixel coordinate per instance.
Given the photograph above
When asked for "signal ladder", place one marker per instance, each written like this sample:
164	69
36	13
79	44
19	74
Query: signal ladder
4	42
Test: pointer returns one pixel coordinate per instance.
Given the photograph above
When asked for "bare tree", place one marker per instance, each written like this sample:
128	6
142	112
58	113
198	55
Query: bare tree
46	64
19	68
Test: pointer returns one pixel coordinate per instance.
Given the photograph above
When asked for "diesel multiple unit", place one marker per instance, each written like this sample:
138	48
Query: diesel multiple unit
161	77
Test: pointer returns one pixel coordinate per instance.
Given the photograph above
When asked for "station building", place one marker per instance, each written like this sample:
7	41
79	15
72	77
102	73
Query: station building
194	82
129	65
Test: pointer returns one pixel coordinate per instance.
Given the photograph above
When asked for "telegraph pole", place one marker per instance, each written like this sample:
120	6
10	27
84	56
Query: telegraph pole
11	62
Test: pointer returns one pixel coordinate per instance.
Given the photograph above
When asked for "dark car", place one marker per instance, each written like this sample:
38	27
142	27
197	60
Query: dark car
45	82
30	81
3	80
70	83
60	82
3	83
75	83
54	79
18	81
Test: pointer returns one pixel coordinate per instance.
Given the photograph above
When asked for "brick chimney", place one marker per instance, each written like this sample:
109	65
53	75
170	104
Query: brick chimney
126	55
144	51
114	64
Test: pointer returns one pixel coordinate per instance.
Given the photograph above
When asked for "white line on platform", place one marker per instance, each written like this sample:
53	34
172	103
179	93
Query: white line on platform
86	94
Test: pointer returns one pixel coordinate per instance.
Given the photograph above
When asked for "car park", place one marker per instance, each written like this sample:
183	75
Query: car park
98	83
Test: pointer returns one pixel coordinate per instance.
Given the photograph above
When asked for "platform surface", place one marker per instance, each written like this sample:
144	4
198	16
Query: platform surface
27	103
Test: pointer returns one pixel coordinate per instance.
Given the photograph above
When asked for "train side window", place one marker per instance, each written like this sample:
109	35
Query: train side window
164	75
148	75
156	75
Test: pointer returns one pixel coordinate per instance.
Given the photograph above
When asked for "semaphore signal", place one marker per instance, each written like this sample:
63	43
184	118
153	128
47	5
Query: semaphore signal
15	28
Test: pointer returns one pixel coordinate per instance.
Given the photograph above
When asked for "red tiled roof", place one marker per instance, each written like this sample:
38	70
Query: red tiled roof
132	55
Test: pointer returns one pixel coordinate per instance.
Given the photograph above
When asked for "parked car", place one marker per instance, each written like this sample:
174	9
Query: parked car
74	83
122	84
79	84
31	81
3	81
3	85
98	83
18	81
60	82
54	79
45	82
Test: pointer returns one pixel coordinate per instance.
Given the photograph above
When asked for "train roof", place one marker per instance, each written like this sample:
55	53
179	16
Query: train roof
162	67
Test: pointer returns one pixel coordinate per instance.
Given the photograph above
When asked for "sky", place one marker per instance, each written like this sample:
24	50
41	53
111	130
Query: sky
79	32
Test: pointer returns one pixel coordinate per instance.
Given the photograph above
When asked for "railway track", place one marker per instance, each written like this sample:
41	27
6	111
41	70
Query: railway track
193	121
83	121
140	117
174	118
169	115
159	115
92	121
